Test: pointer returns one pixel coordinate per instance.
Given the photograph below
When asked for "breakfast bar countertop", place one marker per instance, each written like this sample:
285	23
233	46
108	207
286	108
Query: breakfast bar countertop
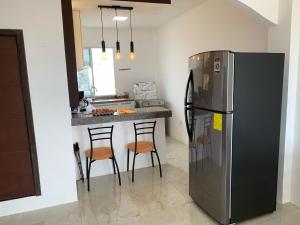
139	114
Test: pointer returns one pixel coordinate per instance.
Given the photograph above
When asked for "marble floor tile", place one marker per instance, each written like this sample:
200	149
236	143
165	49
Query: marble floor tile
150	200
157	198
11	220
60	215
182	214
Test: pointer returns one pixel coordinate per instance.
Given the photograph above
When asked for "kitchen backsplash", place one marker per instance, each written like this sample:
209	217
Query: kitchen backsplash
145	90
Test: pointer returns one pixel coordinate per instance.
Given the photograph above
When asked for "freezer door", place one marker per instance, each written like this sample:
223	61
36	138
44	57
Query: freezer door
213	75
210	163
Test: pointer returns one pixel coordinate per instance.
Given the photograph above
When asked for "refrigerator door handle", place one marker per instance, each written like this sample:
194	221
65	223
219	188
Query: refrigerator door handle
188	127
188	105
189	82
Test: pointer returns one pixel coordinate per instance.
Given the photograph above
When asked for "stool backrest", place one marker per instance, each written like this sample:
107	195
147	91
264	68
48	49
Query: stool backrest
99	134
144	128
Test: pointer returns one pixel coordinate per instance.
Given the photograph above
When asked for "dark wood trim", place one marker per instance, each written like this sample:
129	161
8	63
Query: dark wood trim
68	26
18	34
148	1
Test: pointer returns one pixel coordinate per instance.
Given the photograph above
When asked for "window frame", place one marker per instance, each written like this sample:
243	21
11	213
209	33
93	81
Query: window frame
93	91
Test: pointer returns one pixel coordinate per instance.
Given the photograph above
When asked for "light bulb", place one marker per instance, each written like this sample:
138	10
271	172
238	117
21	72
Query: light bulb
132	56
104	56
118	56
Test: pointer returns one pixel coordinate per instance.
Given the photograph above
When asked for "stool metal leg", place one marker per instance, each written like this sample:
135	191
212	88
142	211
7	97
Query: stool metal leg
133	167
158	163
89	173
113	163
86	166
152	158
127	159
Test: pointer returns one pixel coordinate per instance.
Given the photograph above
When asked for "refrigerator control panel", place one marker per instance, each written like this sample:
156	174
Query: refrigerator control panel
217	65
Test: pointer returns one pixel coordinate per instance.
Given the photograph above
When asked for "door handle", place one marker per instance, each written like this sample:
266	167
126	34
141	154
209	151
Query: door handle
188	127
190	83
188	105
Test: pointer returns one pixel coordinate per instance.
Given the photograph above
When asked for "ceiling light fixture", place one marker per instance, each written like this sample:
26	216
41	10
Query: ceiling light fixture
120	18
118	49
104	53
132	53
116	19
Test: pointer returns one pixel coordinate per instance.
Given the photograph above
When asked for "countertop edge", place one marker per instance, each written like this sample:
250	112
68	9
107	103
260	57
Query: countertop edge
81	121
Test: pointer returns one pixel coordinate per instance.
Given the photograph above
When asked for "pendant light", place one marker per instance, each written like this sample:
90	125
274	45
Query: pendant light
104	53
132	53
118	49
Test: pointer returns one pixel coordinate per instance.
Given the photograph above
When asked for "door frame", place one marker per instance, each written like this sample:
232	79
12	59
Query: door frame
70	52
18	34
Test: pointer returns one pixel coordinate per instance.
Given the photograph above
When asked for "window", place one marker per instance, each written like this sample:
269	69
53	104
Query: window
97	78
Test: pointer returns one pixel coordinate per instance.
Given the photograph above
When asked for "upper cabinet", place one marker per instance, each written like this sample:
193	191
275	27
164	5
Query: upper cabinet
78	39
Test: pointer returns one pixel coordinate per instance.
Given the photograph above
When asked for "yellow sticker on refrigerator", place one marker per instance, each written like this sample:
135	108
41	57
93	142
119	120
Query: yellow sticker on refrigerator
218	119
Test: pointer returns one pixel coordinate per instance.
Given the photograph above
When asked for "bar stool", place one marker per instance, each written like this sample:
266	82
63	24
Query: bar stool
139	147
100	153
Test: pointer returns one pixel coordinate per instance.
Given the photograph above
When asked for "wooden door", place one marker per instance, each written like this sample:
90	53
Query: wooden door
18	162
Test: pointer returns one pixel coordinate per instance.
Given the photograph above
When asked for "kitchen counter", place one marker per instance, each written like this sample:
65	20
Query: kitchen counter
140	114
122	135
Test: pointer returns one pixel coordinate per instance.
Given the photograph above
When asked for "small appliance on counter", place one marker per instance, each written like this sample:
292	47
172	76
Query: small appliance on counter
145	95
83	103
145	90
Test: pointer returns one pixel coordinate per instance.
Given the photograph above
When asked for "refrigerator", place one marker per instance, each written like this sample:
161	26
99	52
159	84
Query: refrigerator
232	113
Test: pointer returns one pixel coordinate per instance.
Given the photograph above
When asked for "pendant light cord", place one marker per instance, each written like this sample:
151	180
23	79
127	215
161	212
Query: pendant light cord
102	34
117	26
130	26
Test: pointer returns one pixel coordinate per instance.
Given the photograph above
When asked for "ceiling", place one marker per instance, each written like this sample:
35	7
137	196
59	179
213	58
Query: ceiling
145	15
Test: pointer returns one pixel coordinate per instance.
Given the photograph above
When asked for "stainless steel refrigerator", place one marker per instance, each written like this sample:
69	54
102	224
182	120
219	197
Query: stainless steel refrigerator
233	112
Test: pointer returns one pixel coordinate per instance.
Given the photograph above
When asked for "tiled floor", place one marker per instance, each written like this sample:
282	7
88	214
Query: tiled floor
151	200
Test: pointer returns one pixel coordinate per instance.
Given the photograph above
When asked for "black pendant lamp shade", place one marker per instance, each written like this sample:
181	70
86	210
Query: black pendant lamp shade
118	48
132	53
131	47
103	46
104	54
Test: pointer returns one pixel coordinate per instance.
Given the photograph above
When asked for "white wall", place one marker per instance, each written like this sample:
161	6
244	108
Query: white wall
213	25
279	41
285	38
295	190
264	10
294	73
144	68
42	25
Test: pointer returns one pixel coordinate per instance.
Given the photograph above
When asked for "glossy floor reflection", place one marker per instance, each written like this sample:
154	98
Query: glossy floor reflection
151	200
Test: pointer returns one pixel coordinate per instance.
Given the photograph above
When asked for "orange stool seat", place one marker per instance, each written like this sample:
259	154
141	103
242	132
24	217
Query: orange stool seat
99	153
141	146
